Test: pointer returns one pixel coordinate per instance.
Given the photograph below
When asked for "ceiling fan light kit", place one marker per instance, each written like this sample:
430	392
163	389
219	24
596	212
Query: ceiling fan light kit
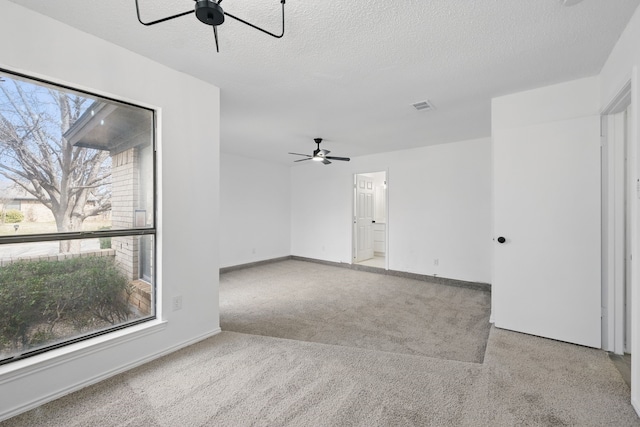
210	12
320	155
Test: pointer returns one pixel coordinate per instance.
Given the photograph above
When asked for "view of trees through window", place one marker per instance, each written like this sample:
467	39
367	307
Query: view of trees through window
77	215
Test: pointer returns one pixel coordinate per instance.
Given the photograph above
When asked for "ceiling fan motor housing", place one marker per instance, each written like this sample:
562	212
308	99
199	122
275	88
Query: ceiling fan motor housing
209	12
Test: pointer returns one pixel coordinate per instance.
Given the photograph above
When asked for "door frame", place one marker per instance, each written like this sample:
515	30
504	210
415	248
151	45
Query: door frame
353	214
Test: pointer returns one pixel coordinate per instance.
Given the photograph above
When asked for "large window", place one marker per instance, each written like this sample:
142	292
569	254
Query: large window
77	259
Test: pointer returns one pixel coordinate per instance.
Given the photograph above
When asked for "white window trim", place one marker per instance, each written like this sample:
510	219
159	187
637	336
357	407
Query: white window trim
49	359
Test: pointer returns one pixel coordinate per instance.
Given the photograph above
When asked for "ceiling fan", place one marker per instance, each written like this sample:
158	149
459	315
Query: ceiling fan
210	12
320	155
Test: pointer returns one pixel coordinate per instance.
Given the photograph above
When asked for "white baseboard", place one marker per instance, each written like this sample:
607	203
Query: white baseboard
103	376
636	406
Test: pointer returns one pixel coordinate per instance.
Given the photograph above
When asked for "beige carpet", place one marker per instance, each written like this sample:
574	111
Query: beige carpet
236	379
314	302
247	380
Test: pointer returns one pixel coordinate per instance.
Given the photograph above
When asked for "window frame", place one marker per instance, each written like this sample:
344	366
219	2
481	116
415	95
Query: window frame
151	230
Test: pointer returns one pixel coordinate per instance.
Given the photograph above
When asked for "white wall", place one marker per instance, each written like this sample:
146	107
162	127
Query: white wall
189	159
439	208
621	67
255	210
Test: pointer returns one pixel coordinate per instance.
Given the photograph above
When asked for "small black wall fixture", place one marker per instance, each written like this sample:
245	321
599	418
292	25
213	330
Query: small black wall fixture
210	12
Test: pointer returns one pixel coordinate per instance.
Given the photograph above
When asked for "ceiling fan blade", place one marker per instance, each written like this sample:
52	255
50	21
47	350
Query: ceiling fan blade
215	35
326	162
301	160
342	159
278	36
160	20
324	152
298	154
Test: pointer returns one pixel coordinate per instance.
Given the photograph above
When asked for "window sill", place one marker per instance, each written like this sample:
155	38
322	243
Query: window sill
31	365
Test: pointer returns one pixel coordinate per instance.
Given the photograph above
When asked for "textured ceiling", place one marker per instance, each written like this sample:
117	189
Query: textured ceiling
349	71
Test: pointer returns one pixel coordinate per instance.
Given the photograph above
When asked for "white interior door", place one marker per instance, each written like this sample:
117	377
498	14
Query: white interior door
547	208
363	223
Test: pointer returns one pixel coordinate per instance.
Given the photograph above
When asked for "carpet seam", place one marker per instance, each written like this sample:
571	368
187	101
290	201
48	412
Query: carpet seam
416	356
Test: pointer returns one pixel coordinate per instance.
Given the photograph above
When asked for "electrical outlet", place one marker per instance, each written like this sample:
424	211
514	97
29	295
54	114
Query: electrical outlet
177	303
436	262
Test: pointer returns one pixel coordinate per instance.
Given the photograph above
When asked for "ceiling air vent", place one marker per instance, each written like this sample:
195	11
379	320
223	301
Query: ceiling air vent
423	106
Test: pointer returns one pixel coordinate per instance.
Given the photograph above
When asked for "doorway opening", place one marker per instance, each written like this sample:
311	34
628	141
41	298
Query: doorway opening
620	190
370	220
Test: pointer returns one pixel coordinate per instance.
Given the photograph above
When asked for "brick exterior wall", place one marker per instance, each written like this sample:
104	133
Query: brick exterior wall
141	297
124	200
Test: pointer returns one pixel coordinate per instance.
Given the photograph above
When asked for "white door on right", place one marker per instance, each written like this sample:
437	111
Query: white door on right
546	278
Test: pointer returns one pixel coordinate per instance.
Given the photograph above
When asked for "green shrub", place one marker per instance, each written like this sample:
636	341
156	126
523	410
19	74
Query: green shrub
36	296
12	216
105	242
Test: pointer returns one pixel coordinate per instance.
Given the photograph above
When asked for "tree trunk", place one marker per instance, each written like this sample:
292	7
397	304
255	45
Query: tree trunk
66	223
